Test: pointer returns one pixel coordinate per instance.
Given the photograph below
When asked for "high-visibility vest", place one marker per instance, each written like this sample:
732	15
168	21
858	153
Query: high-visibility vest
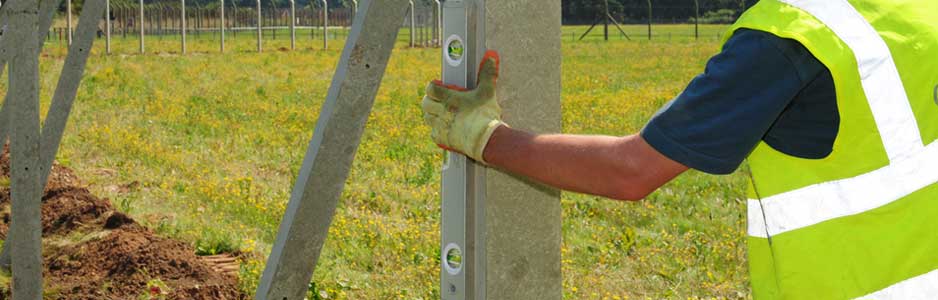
863	222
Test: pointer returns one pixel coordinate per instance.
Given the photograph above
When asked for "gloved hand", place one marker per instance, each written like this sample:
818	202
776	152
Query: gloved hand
463	120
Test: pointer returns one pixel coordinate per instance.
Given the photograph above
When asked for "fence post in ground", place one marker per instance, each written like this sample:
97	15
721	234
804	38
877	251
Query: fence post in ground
140	23
107	26
25	232
649	20
259	30
222	49
184	28
413	22
354	10
68	20
325	24
292	24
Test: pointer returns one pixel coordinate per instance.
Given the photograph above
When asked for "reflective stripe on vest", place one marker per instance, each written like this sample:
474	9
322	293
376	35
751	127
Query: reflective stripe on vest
912	167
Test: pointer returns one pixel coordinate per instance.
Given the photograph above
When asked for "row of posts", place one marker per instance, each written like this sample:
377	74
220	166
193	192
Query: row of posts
435	39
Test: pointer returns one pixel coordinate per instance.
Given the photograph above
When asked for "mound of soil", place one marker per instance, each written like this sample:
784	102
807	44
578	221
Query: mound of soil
91	251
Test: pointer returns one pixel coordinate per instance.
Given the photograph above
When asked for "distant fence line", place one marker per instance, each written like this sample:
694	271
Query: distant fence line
173	18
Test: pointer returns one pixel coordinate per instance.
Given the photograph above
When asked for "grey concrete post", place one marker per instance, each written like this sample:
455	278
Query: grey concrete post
140	22
68	20
260	34
223	25
107	25
325	24
413	22
354	9
292	24
331	151
184	28
523	219
25	228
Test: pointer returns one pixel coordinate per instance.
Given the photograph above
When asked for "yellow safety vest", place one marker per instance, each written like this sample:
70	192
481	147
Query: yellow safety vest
863	222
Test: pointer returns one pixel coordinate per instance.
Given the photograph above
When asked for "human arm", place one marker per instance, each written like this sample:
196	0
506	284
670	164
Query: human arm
622	168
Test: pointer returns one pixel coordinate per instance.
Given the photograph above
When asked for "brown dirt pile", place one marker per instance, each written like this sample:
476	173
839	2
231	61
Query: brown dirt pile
91	251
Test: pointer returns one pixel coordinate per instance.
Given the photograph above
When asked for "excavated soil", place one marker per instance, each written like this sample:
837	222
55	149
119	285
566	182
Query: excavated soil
91	251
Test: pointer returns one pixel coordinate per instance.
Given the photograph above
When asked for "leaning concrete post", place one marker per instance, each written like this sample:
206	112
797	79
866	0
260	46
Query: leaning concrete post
140	22
222	7
25	229
413	23
259	29
184	27
331	151
68	20
292	25
325	24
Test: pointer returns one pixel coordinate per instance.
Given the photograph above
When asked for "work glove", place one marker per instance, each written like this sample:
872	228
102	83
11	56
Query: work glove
463	120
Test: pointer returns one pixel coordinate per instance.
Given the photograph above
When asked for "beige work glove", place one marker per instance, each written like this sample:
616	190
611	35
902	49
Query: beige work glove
463	120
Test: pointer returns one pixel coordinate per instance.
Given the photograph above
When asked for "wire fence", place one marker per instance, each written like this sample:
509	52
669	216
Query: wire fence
163	20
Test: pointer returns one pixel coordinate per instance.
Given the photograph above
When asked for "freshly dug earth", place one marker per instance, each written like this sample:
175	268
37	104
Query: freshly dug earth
91	251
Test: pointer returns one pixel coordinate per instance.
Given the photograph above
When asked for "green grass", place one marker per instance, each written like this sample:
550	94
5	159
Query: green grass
216	140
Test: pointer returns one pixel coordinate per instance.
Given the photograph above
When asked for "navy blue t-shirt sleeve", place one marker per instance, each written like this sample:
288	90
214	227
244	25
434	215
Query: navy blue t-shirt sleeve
723	113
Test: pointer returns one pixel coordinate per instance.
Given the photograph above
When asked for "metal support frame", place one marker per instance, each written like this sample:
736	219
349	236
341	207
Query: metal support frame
329	156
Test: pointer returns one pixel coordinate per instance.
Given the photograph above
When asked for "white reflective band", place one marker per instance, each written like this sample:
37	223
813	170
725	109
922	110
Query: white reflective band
878	74
916	288
755	219
833	199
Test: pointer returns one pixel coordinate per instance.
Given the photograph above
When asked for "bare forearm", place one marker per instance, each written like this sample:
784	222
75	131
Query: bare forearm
623	168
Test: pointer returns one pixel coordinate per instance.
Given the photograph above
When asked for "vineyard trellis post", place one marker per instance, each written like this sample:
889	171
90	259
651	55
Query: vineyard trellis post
222	25
68	20
292	24
437	22
140	22
184	28
260	33
413	22
107	26
649	20
325	24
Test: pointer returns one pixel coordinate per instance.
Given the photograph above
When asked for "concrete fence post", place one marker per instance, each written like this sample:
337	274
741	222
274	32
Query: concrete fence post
107	25
437	23
413	23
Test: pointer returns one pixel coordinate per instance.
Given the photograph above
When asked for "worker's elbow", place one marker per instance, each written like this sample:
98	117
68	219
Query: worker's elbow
631	191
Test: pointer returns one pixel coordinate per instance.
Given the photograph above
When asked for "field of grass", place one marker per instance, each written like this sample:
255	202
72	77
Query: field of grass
216	140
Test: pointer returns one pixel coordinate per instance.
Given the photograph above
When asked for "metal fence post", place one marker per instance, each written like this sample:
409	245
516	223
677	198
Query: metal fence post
696	19
259	29
184	28
649	20
107	25
222	26
140	23
292	24
325	24
68	20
